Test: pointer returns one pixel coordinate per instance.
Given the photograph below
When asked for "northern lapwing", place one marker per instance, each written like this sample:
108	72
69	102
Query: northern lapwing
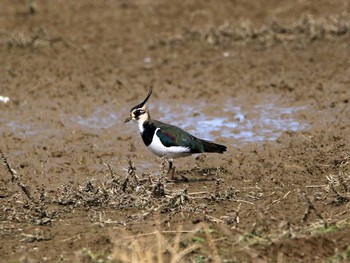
167	140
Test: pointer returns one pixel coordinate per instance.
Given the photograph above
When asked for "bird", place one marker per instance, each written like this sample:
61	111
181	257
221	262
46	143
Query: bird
166	140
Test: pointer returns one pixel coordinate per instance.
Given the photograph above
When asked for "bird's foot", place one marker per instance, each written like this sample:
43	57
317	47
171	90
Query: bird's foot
171	172
183	178
173	177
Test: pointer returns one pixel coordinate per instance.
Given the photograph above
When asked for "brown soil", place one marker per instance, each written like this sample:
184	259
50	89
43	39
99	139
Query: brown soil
281	200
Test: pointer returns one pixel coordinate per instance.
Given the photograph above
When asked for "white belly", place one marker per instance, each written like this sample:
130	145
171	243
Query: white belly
159	149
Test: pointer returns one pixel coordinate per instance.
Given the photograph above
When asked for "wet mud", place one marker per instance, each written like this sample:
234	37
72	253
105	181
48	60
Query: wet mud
270	81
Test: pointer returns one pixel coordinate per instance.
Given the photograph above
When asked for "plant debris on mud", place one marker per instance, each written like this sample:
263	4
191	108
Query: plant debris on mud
146	192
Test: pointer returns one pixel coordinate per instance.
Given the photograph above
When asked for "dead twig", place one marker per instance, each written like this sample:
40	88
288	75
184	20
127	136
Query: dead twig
38	235
131	174
309	209
339	198
15	178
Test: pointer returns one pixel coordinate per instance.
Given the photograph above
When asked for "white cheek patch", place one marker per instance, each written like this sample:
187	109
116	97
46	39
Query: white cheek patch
140	124
140	121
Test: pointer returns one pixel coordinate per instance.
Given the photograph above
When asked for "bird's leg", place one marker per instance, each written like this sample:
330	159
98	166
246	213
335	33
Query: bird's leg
171	168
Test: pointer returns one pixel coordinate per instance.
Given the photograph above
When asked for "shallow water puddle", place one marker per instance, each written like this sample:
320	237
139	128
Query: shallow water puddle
260	122
101	118
256	123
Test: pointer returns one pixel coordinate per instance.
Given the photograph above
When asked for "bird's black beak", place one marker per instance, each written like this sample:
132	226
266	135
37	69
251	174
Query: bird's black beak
128	119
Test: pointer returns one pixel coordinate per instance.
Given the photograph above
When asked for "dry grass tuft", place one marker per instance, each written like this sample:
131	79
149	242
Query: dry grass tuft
165	246
159	246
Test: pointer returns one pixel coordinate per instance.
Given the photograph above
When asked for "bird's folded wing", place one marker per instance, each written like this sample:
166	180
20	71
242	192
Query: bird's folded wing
174	136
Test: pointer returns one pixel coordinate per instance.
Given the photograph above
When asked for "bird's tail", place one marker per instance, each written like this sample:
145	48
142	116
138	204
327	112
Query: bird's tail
212	147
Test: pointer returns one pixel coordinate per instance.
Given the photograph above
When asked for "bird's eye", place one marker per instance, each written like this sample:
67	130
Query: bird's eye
138	112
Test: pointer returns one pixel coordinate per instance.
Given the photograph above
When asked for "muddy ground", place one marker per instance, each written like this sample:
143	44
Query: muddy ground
78	184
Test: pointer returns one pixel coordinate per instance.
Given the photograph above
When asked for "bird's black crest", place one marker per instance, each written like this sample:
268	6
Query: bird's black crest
144	102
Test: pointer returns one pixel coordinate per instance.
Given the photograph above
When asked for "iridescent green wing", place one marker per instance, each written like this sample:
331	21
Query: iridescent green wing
171	135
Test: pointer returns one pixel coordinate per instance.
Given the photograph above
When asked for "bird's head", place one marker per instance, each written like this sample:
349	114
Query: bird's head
139	113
